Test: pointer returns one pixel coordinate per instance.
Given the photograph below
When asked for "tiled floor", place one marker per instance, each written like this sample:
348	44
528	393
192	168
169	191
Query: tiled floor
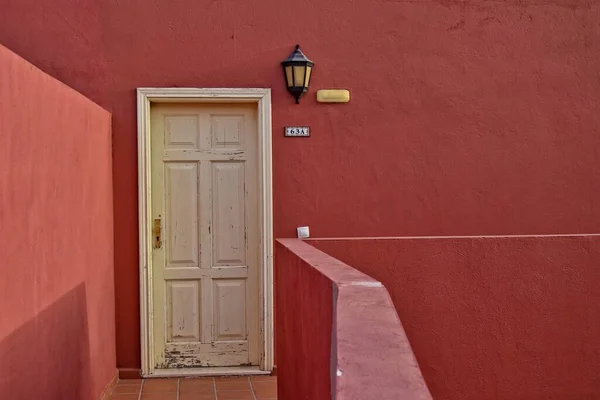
235	388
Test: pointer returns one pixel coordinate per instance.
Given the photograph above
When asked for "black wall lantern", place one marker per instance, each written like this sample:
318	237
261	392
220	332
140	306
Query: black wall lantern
297	69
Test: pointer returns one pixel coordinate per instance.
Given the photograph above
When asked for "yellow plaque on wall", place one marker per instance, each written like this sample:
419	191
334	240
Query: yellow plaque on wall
333	96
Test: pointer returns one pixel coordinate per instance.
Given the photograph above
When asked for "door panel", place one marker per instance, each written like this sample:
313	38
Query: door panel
183	317
181	213
228	213
205	271
230	318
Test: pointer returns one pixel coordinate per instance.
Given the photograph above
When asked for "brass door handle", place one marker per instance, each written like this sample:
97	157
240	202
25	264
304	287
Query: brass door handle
157	233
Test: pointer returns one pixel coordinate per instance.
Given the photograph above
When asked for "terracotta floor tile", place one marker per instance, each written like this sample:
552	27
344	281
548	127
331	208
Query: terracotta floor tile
129	382
201	379
233	385
263	378
235	395
160	385
120	389
124	397
228	388
231	379
159	396
265	390
196	396
196	385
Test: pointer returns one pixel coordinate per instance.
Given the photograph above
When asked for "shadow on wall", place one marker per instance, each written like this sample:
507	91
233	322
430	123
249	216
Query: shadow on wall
48	357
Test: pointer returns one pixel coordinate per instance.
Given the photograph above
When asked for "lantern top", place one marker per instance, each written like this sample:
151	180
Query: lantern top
297	57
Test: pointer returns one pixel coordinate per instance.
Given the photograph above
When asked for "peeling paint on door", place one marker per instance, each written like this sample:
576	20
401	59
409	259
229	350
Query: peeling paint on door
205	274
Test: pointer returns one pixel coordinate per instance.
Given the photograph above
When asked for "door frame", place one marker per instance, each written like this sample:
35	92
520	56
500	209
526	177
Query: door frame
262	98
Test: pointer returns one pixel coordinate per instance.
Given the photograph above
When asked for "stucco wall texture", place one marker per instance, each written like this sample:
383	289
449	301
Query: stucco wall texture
304	318
467	117
57	314
493	318
339	336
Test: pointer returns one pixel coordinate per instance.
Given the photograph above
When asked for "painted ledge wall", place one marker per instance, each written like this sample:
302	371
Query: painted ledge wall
338	334
57	314
513	318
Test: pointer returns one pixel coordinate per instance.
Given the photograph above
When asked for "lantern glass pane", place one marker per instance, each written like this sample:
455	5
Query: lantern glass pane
307	79
288	76
299	75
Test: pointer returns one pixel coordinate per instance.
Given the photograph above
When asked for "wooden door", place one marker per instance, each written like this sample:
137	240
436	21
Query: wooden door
205	260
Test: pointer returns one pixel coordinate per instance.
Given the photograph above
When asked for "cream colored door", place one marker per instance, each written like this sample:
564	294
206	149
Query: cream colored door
205	260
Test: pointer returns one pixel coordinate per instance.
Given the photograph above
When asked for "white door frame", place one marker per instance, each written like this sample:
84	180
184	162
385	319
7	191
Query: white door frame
262	97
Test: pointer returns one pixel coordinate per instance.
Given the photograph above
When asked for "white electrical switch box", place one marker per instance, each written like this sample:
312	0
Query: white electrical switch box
303	232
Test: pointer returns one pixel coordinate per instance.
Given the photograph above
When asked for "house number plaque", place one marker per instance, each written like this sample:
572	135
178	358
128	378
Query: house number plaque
297	131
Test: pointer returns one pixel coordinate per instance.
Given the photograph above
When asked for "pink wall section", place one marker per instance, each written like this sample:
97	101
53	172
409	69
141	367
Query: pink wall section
57	314
338	334
493	318
467	117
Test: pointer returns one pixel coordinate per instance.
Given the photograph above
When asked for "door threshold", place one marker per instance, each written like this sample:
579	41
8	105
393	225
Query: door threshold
207	371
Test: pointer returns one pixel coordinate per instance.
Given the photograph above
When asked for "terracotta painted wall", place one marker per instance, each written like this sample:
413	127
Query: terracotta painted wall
57	314
493	319
304	324
467	117
339	336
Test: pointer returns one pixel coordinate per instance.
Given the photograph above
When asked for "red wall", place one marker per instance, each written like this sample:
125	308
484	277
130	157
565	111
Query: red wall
57	329
304	321
467	117
493	319
338	334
